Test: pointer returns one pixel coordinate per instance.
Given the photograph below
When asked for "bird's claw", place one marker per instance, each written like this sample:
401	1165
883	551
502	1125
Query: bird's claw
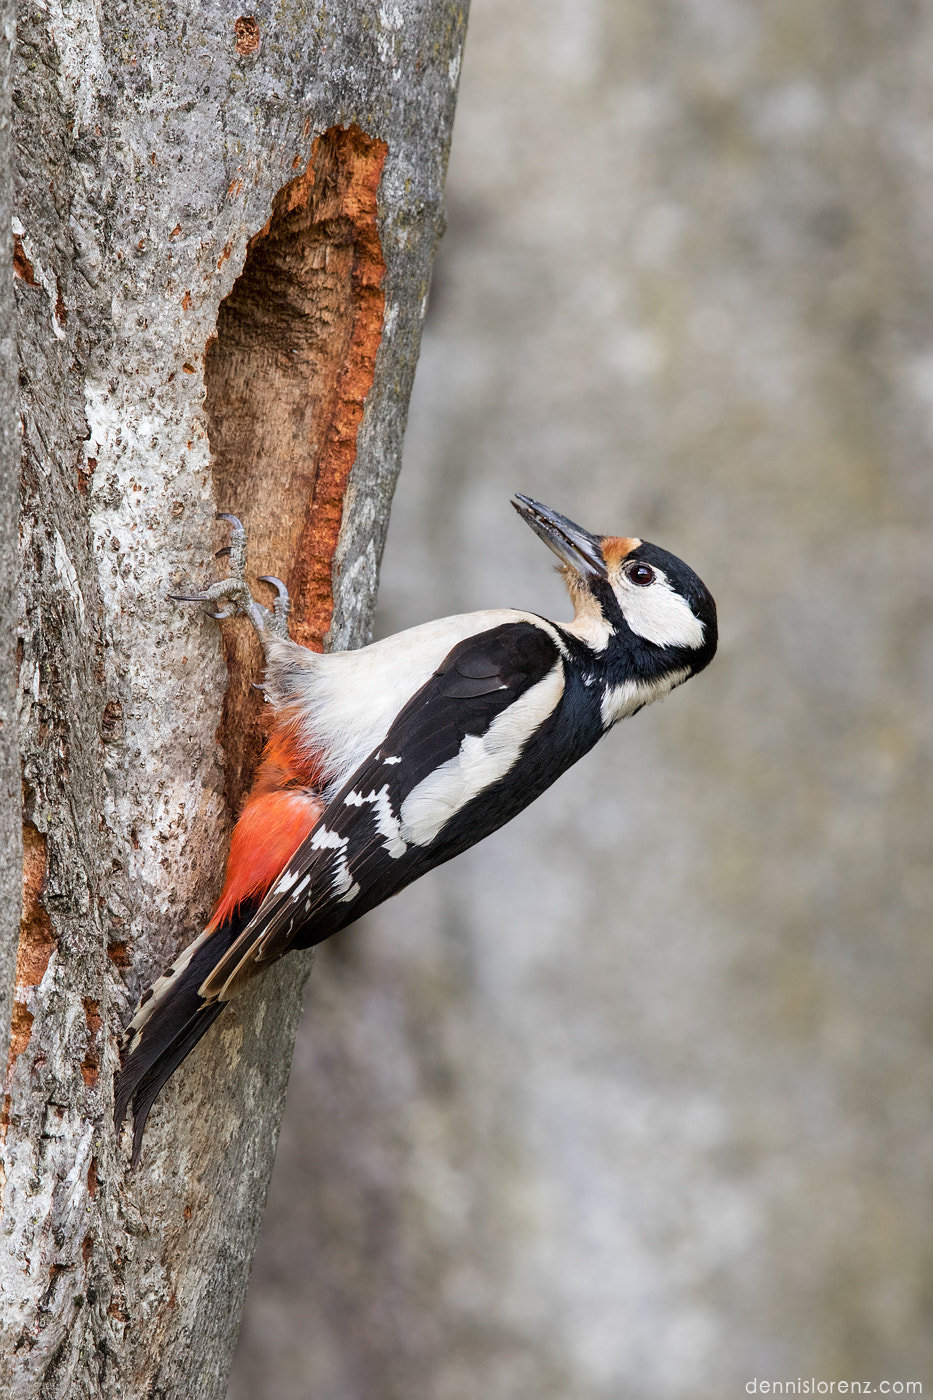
281	605
234	592
278	585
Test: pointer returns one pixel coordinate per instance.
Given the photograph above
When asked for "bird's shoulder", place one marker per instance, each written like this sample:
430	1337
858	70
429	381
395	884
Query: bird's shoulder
507	656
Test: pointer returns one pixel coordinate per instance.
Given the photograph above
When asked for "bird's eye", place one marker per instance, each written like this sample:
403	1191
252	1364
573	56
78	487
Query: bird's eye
642	574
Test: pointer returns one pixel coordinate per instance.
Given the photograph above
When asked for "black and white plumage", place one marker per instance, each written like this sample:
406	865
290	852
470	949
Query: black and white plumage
408	751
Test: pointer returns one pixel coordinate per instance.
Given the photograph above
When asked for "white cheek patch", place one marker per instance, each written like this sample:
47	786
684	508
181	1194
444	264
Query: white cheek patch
659	614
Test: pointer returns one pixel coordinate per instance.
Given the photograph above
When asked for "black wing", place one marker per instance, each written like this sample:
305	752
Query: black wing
386	826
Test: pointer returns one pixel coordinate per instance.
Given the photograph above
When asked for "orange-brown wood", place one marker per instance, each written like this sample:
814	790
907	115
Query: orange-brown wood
287	376
36	939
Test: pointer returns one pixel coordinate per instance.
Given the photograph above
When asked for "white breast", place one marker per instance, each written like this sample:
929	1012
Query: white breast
348	699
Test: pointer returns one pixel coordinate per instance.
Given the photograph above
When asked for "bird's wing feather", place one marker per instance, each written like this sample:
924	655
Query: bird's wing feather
362	849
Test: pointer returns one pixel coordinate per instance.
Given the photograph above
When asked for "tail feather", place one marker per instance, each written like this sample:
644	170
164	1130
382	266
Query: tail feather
170	1020
146	1091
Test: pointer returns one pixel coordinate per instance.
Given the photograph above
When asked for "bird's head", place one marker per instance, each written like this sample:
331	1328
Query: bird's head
631	599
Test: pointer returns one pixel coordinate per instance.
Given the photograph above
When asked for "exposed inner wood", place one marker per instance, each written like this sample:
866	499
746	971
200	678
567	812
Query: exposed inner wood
247	34
287	376
36	945
36	938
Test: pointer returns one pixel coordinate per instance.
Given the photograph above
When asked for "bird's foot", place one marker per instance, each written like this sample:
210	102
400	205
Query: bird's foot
233	593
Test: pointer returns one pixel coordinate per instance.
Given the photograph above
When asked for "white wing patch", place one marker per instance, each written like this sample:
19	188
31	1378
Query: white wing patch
325	840
285	882
482	760
387	823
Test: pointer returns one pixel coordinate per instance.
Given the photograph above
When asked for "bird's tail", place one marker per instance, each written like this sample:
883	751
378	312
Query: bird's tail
169	1022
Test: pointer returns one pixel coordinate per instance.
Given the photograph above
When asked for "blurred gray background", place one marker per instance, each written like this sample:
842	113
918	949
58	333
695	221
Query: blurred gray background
633	1102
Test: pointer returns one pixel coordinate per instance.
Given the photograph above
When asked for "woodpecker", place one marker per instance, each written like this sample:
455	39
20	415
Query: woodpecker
385	762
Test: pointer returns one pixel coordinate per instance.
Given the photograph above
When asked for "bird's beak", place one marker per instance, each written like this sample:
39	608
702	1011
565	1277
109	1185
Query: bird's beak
573	545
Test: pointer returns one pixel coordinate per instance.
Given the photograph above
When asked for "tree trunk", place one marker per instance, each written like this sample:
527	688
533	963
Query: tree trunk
223	237
10	826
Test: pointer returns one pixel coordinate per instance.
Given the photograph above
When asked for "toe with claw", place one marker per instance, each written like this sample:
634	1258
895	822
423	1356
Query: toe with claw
277	621
233	592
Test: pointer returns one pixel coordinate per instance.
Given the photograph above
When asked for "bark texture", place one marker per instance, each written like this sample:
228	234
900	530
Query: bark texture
10	838
224	233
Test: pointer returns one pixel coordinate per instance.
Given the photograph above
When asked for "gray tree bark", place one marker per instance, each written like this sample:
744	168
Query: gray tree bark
224	230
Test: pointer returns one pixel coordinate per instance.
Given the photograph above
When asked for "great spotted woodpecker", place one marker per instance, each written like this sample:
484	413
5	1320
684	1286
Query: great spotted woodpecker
384	762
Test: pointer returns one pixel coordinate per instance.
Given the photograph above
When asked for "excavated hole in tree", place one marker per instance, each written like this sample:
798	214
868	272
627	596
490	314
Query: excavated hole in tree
286	375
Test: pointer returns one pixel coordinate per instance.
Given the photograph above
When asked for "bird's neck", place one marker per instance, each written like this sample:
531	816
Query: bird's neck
621	675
